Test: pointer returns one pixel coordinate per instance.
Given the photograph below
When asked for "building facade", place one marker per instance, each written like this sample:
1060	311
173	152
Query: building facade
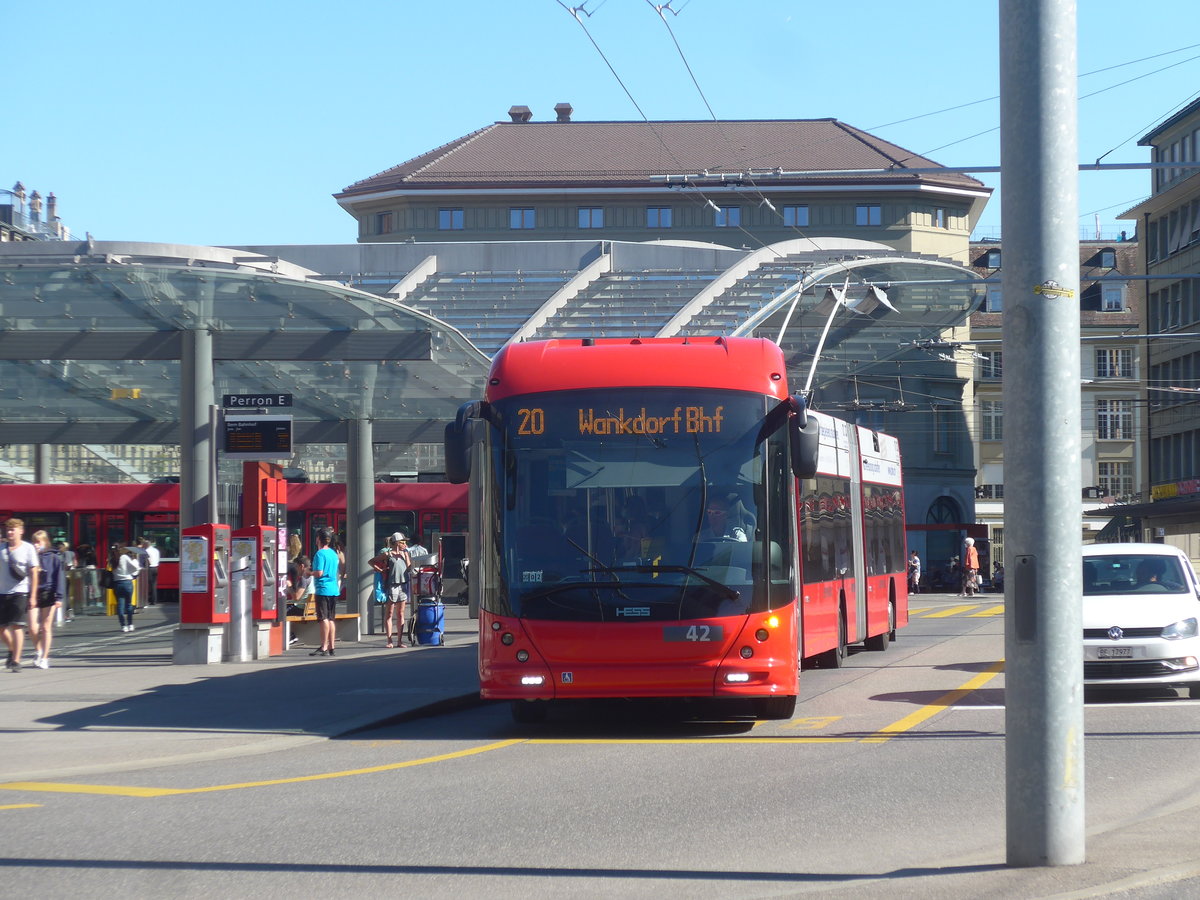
1112	371
25	216
1170	223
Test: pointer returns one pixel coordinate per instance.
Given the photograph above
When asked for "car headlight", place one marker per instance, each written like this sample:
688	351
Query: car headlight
1186	628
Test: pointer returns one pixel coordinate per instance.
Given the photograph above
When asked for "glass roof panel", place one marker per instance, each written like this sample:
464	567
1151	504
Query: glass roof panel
110	290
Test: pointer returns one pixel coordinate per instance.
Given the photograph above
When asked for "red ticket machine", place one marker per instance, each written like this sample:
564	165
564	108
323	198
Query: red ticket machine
261	544
204	574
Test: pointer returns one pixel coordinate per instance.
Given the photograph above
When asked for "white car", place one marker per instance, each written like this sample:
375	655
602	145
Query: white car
1141	606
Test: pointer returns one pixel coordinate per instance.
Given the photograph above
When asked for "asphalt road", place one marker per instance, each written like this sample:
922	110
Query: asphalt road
889	782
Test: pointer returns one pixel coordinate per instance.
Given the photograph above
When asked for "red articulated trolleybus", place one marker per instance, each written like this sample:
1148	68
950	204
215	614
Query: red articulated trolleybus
641	514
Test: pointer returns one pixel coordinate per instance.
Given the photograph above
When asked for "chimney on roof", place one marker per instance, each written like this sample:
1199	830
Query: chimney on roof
520	113
563	110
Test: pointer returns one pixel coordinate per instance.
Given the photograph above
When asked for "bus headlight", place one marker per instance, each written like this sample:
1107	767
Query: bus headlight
522	656
506	639
747	652
737	677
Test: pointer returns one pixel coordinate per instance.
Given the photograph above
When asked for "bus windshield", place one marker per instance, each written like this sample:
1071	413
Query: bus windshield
670	504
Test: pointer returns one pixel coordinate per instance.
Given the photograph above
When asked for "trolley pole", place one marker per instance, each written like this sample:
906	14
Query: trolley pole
1044	775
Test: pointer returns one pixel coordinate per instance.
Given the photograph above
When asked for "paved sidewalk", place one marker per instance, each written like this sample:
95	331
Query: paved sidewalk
113	701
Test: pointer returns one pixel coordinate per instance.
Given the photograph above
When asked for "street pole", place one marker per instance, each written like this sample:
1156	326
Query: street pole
1044	775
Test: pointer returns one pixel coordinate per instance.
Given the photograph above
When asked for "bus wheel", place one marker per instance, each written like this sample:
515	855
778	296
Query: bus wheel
778	707
833	659
529	712
880	641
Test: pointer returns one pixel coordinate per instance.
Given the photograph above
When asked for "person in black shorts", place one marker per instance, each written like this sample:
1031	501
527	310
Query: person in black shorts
18	584
51	592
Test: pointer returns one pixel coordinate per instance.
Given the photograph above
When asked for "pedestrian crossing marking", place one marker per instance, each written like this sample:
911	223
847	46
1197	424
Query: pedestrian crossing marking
952	611
990	611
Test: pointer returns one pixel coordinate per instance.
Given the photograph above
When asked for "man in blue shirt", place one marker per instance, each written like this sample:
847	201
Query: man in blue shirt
325	588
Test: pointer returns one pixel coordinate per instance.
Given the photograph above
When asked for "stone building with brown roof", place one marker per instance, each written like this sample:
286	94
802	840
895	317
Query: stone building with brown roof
734	183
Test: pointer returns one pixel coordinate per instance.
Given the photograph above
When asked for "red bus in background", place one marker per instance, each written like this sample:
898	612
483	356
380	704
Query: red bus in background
638	512
415	508
99	515
853	556
102	514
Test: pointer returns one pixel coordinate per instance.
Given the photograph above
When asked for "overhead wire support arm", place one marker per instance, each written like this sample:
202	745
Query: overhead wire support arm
839	300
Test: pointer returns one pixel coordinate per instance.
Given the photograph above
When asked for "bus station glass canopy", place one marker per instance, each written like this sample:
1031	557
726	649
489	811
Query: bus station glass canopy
91	334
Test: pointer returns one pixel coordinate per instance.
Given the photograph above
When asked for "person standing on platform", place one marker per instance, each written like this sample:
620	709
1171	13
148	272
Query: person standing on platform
124	567
51	594
418	556
970	570
149	557
67	554
393	564
325	588
914	573
18	588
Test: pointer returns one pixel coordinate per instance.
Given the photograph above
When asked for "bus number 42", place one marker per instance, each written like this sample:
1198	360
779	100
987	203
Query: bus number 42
695	633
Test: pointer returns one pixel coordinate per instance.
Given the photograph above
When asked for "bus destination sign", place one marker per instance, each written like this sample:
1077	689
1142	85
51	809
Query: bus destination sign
681	420
619	421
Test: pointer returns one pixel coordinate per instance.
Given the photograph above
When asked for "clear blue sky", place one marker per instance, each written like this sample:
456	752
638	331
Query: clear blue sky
233	123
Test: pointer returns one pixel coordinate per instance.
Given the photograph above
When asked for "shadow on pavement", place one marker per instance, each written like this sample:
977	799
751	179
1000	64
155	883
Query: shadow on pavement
324	698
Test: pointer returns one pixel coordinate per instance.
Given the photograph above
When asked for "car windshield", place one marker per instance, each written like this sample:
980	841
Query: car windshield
1133	573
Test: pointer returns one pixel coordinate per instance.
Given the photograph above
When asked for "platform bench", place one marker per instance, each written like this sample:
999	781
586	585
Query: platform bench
305	629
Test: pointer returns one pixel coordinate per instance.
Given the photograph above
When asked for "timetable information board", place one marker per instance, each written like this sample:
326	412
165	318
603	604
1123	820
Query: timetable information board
258	437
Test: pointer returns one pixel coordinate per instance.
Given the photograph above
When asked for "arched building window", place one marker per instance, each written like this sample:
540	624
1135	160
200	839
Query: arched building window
941	544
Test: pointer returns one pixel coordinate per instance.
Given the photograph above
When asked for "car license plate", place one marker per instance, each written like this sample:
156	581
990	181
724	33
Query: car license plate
1114	653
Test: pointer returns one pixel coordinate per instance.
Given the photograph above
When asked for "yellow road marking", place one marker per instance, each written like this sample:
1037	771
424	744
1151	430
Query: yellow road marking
952	611
810	723
53	787
908	722
990	611
714	740
927	712
114	790
913	610
22	806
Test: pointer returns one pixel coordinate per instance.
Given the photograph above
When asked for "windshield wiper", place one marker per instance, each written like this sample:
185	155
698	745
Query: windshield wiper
681	570
564	586
603	567
585	552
